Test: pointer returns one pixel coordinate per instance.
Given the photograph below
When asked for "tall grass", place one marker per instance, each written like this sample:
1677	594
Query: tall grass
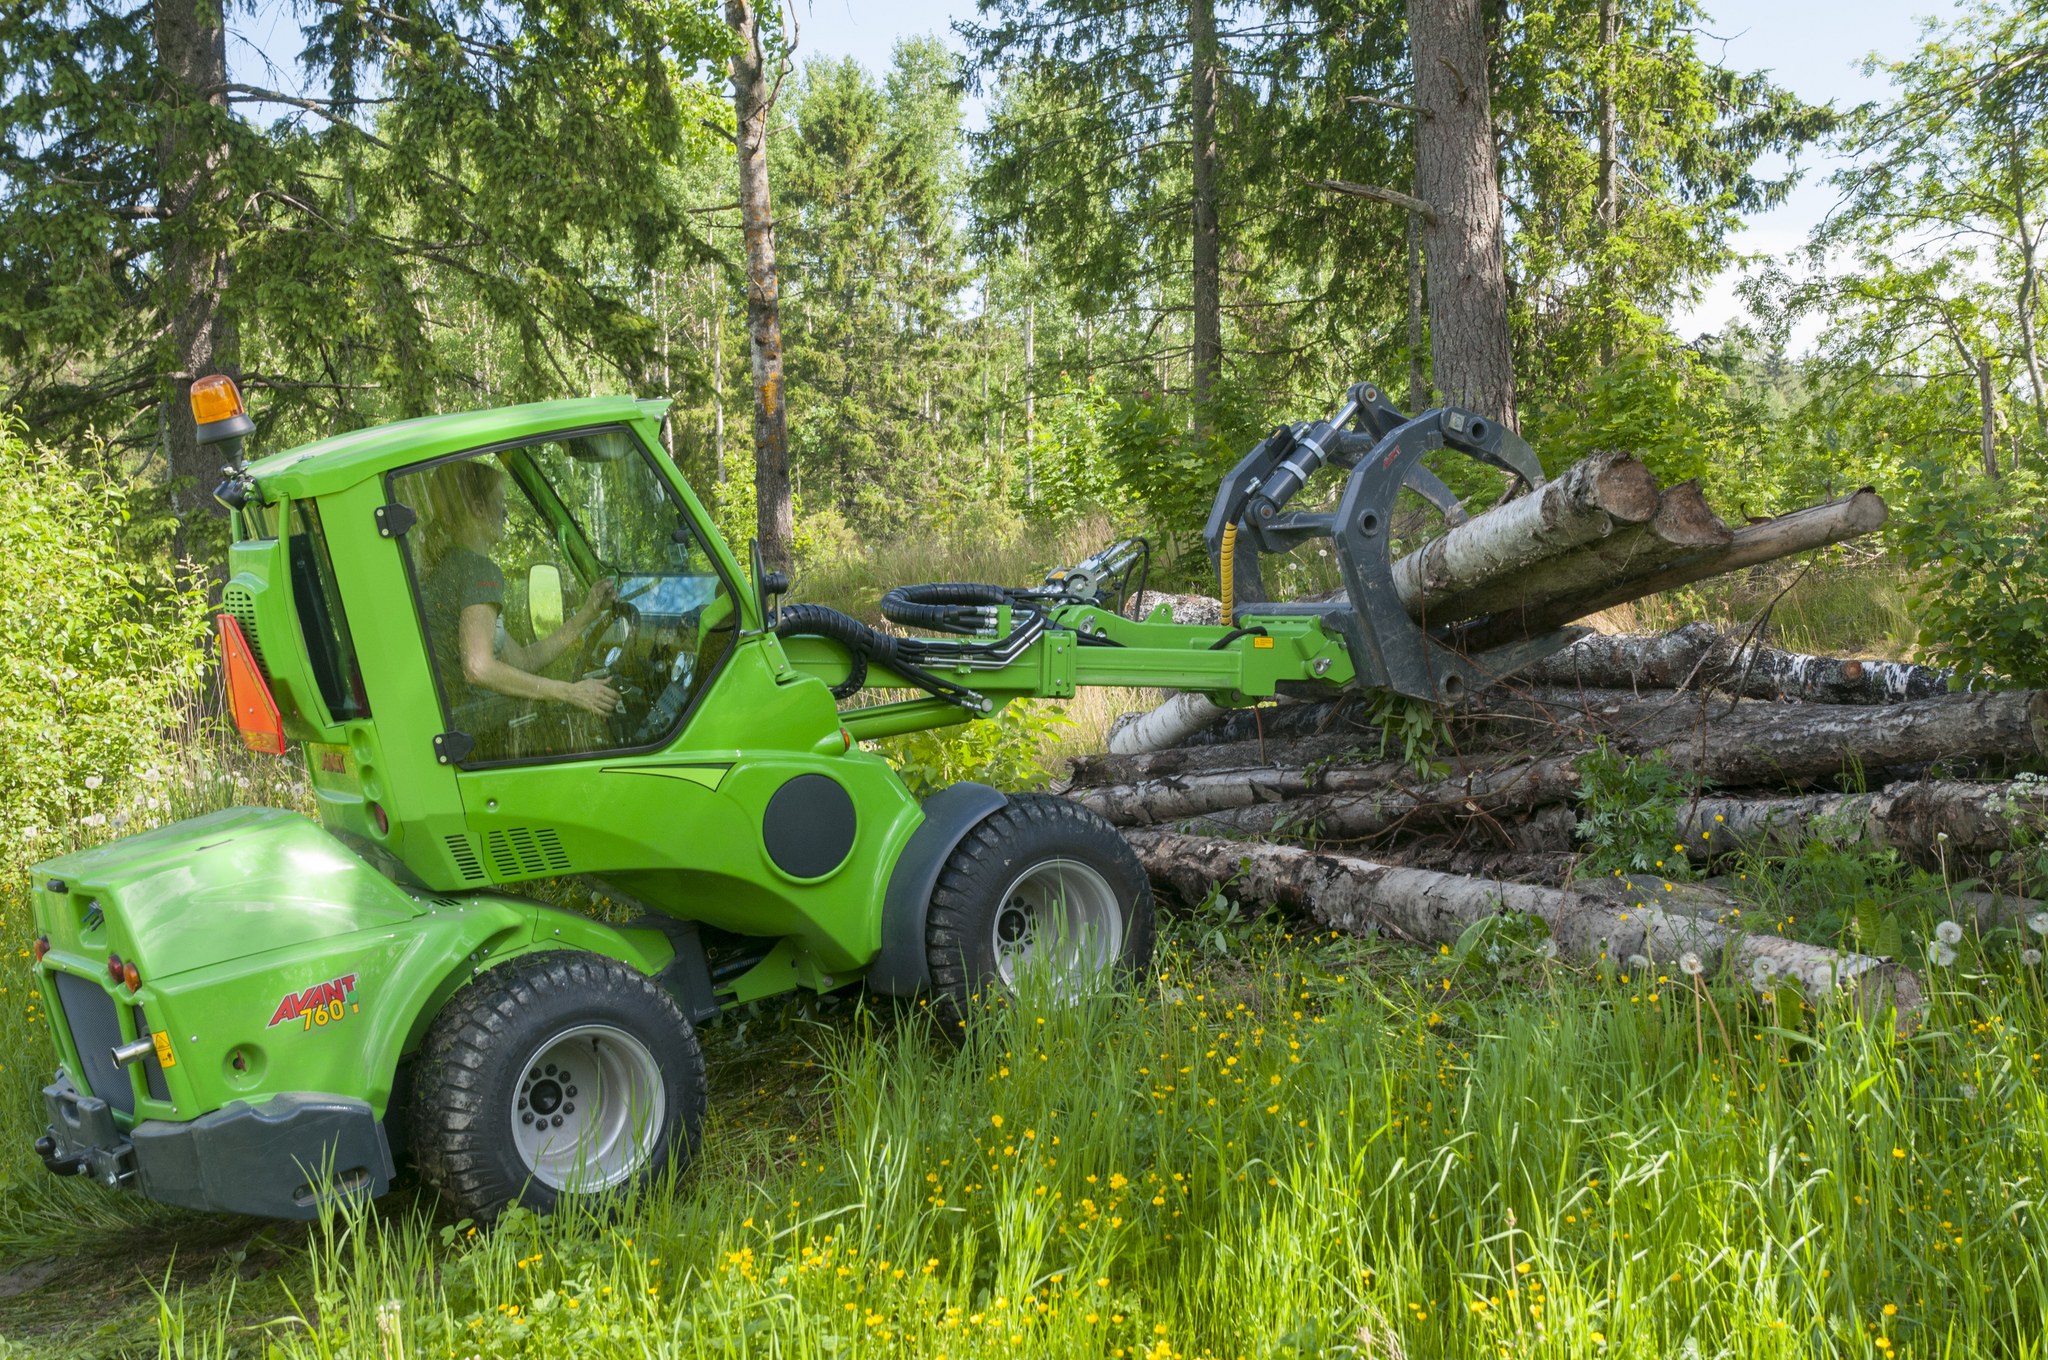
1314	1147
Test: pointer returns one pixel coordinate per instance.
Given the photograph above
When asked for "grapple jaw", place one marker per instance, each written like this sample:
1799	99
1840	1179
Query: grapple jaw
1382	449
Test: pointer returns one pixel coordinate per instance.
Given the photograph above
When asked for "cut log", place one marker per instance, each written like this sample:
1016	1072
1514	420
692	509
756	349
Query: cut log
1355	895
1801	531
1935	824
1100	770
1682	525
1701	656
1340	804
1581	506
1170	724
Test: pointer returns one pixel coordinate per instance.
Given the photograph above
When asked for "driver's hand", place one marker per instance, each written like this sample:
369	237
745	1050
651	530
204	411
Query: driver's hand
603	592
594	696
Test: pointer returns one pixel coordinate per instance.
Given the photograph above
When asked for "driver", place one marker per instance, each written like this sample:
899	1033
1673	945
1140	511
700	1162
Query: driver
464	592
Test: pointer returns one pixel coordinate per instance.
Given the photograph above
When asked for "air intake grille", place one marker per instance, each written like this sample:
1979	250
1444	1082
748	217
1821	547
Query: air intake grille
89	1011
465	859
237	601
525	852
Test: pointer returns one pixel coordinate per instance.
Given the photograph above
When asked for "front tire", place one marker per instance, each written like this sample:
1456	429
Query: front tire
1042	888
555	1075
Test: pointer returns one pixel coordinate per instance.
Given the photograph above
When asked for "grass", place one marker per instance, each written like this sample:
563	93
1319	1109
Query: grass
1835	609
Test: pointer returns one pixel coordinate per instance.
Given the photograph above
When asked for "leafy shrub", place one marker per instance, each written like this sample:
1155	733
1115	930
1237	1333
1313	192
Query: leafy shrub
98	655
1002	750
1630	809
1982	550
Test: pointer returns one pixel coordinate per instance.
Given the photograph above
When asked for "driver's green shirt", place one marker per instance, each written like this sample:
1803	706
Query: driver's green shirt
461	578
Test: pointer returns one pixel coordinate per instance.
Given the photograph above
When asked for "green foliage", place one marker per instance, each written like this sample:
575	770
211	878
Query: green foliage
1417	729
1982	550
1630	808
100	658
1003	751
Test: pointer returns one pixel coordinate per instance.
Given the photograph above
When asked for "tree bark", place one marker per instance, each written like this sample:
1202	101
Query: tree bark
1700	656
1204	75
751	101
1360	896
1990	414
192	65
1418	384
1935	824
1457	172
1607	205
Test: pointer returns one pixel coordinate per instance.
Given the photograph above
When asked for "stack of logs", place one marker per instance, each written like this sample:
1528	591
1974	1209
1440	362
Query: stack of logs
1299	804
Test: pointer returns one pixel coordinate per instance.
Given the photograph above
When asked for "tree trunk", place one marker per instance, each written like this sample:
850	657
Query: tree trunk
1457	172
1030	377
1607	206
718	389
1418	385
1990	413
775	518
192	66
1204	74
1700	656
1359	896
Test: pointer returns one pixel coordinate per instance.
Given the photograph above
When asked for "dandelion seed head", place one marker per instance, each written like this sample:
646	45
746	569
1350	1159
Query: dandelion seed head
1690	965
1948	932
1941	954
2031	957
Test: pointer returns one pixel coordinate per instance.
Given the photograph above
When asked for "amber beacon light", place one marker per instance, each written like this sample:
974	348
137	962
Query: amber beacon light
217	410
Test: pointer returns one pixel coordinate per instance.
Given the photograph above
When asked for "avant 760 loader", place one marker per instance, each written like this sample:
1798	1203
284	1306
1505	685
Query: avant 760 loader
510	646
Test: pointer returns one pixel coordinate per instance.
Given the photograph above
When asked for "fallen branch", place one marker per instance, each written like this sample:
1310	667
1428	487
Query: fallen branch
1356	895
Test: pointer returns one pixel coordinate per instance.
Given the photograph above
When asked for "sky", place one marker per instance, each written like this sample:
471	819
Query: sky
1813	47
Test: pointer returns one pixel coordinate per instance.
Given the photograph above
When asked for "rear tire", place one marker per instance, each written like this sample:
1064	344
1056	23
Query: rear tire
554	1075
1041	886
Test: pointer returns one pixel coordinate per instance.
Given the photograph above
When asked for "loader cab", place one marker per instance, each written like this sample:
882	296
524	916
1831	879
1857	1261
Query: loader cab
569	605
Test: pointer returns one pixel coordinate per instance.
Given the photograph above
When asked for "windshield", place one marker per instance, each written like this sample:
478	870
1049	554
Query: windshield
569	605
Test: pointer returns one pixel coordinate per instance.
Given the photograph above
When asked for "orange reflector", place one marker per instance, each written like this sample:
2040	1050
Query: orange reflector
215	398
249	697
133	976
42	947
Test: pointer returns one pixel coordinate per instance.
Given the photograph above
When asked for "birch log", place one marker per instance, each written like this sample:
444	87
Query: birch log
1356	895
1801	531
1701	656
1170	724
1683	524
1935	824
1579	507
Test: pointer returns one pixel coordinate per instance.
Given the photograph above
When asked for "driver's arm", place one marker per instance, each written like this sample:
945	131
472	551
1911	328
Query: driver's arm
484	669
536	655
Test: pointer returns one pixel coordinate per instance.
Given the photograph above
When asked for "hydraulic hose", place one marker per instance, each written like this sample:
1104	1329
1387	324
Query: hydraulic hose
861	642
1228	572
949	606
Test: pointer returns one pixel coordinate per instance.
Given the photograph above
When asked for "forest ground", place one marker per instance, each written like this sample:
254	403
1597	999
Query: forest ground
1276	1145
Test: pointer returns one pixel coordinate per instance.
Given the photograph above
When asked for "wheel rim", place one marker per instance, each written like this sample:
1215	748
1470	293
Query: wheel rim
1059	920
588	1108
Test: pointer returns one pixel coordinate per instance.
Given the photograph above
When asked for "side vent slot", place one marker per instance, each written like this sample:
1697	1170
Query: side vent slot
464	855
237	601
525	852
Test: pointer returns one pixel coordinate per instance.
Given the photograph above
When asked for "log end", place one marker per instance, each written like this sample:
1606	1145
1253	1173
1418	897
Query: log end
1624	488
1684	519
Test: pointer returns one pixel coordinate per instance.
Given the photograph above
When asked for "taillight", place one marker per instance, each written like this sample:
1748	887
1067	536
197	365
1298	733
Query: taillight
378	816
249	696
114	967
131	976
41	947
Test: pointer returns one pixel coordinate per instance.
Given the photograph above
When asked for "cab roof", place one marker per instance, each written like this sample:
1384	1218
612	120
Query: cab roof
342	460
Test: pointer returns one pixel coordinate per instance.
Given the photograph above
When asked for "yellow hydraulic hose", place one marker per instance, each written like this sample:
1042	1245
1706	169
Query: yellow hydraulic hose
1229	573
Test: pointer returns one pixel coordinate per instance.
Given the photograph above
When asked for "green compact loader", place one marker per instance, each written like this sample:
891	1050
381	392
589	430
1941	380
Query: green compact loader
511	646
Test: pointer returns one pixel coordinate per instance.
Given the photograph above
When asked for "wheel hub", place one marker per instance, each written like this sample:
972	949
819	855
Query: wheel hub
1062	919
589	1108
